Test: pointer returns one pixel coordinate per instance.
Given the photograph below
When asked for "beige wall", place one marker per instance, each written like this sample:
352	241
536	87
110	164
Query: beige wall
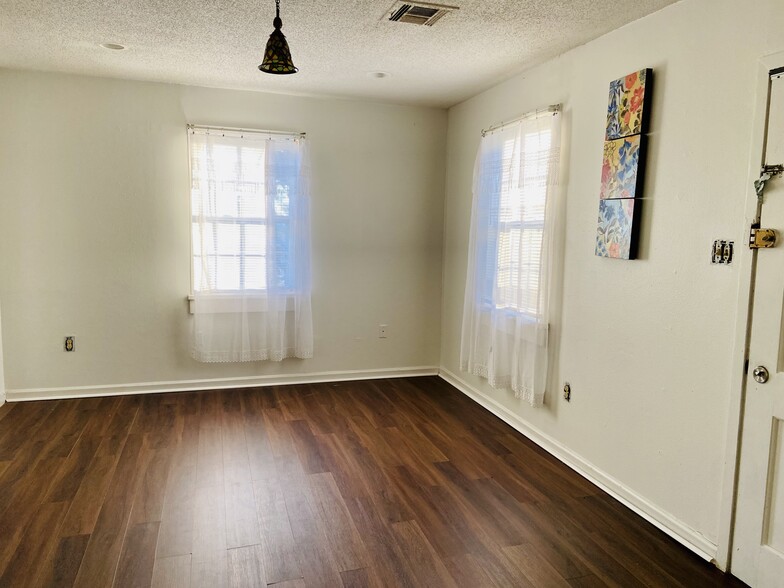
94	229
646	345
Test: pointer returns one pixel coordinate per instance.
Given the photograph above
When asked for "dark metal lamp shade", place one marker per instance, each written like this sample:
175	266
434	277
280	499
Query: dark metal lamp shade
277	56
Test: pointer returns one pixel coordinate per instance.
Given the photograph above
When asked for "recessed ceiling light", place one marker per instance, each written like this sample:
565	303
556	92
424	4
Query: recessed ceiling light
378	74
113	46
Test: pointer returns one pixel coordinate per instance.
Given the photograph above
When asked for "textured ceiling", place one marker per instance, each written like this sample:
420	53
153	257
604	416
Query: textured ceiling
334	44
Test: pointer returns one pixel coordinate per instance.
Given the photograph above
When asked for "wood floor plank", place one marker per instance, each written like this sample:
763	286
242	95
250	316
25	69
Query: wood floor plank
467	572
371	480
279	550
616	542
412	430
493	520
307	447
314	549
22	505
242	526
245	567
5	409
546	540
236	462
335	521
66	482
137	558
299	583
210	570
380	543
362	578
261	460
535	567
581	546
589	581
59	569
123	419
375	439
34	546
30	419
422	559
209	520
434	524
148	503
103	551
35	449
175	537
88	500
402	482
652	541
209	470
172	572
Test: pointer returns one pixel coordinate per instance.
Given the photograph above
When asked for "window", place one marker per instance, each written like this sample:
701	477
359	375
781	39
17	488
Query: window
250	227
521	199
241	218
505	315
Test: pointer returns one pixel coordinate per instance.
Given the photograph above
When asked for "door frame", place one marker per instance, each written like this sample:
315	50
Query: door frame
746	273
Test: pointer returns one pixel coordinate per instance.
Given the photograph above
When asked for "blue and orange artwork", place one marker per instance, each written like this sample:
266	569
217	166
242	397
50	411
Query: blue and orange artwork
620	167
614	236
626	106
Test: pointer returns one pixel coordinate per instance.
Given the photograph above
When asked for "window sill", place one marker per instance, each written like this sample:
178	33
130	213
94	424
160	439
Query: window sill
227	303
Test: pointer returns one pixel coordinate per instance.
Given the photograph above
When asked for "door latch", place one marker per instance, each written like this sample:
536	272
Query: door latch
761	238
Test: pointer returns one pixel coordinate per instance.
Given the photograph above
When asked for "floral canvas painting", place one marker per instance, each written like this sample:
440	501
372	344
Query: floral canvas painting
621	168
627	106
615	235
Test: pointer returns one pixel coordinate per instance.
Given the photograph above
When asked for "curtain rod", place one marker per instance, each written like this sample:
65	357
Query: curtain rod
553	108
248	131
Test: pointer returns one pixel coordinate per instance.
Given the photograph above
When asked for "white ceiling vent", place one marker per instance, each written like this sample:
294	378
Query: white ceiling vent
420	13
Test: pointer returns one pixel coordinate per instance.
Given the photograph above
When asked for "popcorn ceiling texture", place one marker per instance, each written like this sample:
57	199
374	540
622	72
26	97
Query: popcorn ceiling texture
335	44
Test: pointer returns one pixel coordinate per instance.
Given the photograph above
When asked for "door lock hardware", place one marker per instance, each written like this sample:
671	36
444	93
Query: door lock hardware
761	374
767	173
761	238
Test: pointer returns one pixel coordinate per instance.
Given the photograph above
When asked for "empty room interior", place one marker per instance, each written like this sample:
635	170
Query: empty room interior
379	293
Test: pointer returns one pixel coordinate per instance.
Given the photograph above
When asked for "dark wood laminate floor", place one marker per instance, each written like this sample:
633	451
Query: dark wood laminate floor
378	483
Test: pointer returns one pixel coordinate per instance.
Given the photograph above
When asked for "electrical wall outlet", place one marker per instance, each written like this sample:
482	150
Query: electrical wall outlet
722	252
382	331
70	343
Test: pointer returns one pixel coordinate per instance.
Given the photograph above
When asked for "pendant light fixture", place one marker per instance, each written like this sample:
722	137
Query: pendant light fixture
277	56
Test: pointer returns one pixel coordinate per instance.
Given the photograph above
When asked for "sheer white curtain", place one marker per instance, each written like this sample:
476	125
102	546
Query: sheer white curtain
506	309
250	200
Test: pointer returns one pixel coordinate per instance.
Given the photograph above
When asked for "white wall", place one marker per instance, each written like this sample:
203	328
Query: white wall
646	344
94	229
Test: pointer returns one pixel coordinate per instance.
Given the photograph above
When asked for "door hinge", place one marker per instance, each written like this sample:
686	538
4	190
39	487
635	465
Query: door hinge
767	173
761	238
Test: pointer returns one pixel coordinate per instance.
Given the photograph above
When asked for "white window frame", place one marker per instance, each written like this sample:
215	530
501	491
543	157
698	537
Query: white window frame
244	133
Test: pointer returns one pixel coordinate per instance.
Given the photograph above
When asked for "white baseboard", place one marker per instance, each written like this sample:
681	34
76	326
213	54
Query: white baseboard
214	384
663	520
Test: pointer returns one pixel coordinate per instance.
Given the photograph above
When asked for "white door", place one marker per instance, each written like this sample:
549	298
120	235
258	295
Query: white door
758	544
